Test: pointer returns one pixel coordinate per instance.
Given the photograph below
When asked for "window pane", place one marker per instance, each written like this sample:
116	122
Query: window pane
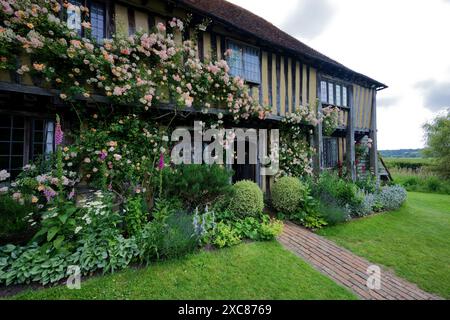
244	62
344	97
38	149
16	163
331	93
5	134
38	137
18	122
50	137
38	124
4	163
251	64
323	91
4	148
235	60
5	121
98	21
18	135
338	95
74	16
17	148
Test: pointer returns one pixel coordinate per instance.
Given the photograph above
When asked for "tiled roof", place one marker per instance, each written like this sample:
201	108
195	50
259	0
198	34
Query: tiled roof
249	22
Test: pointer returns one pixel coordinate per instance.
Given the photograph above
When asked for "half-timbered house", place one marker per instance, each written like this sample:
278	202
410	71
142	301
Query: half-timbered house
282	72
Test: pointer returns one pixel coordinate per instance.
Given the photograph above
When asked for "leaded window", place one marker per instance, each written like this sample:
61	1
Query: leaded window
98	22
244	62
23	139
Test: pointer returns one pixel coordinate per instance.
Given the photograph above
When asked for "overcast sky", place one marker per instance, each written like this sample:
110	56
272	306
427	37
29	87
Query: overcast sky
403	43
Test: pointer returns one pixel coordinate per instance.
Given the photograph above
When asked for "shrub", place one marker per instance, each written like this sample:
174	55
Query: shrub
247	199
392	197
288	194
333	213
196	185
13	216
339	192
179	238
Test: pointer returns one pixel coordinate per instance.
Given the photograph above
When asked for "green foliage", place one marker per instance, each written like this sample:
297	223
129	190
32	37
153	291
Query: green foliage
295	152
196	185
135	215
408	163
120	153
313	222
13	216
247	199
170	234
288	194
57	226
330	185
179	238
225	236
330	120
263	229
367	183
422	180
332	213
31	263
438	143
106	250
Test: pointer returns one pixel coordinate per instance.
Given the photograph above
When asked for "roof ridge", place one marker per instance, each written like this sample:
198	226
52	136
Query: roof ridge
247	21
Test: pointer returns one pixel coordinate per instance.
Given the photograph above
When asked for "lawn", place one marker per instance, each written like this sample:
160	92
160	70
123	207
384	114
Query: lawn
248	271
414	241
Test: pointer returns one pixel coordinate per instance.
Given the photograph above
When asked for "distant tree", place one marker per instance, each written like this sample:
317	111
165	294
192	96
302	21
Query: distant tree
437	134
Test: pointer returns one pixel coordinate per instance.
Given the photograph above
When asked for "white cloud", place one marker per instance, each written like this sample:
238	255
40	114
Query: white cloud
309	18
399	43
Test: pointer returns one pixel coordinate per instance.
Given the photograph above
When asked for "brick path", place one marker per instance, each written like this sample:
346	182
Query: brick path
346	268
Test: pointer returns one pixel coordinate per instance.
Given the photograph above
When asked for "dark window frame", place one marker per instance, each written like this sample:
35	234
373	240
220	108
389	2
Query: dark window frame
243	46
108	23
335	84
29	141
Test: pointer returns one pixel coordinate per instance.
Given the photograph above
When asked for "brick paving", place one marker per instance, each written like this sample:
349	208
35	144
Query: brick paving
346	268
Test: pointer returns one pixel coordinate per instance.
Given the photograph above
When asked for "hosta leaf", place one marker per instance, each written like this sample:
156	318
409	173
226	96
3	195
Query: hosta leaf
52	233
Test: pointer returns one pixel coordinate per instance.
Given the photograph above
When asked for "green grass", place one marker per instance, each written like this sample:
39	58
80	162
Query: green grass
414	241
248	271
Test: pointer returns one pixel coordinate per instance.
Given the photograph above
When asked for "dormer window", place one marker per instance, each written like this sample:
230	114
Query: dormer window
244	62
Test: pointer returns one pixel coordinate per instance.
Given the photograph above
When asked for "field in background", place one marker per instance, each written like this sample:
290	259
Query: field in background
416	174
